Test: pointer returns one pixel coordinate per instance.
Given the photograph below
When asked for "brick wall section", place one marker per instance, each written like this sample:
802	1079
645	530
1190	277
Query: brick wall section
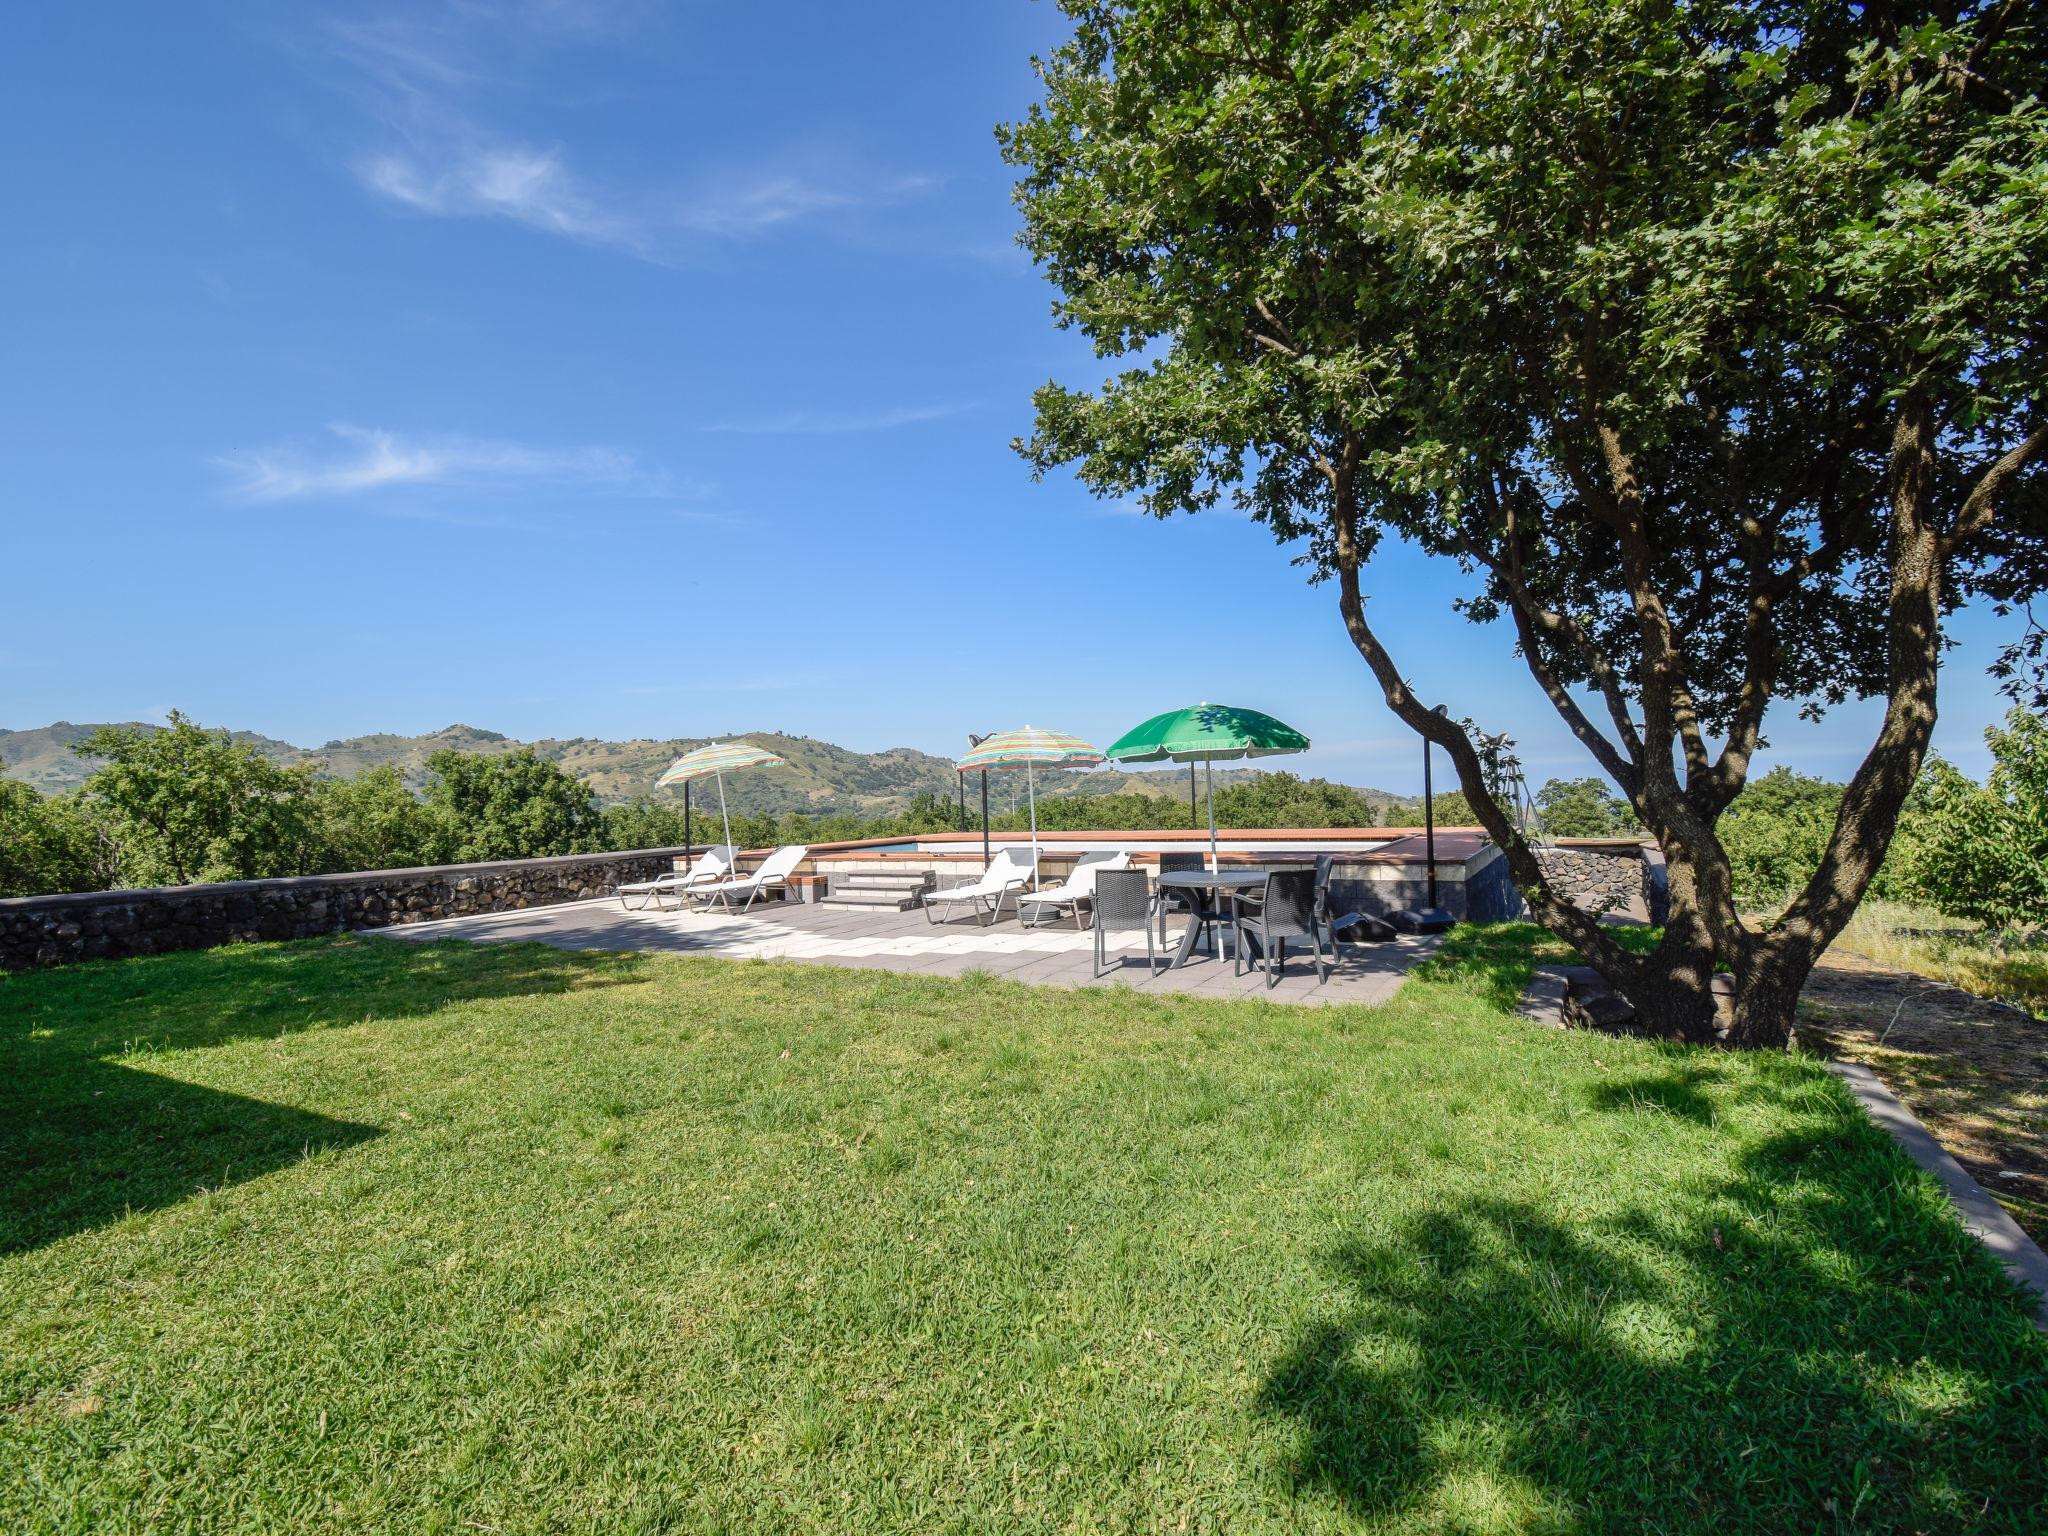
38	931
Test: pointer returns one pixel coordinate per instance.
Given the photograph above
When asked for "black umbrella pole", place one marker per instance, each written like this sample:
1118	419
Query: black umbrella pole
1194	800
688	847
984	818
1428	821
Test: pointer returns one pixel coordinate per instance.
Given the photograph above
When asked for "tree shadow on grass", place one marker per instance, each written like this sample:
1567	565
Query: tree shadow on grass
1809	1343
1681	1090
113	1141
1494	960
85	1140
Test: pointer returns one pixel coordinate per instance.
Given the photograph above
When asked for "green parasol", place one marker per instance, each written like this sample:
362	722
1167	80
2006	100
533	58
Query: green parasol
1207	733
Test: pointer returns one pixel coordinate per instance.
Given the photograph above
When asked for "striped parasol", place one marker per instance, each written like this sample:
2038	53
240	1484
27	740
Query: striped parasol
715	761
719	757
1031	749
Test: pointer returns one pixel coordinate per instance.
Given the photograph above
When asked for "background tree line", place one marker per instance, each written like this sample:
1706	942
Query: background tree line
186	804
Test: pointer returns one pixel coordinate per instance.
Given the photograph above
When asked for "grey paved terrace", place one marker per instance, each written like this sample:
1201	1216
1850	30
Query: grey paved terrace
904	941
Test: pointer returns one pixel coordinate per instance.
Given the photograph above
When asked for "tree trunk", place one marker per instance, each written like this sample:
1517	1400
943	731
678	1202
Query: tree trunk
1765	1004
1673	985
1678	982
1674	996
1770	974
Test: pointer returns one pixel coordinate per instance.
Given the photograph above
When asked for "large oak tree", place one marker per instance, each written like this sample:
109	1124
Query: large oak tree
1708	338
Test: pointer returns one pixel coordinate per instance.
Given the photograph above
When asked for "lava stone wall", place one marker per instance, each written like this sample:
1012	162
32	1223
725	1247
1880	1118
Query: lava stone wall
1606	877
38	931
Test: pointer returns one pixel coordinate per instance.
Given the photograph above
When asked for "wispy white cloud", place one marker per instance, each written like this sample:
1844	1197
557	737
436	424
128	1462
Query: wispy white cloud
368	459
461	176
822	423
436	156
507	181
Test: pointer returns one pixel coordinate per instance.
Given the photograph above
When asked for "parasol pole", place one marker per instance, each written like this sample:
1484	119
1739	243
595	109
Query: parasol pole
1031	787
1214	864
727	818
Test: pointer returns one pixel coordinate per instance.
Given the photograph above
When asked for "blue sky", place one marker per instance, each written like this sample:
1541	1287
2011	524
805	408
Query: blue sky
581	369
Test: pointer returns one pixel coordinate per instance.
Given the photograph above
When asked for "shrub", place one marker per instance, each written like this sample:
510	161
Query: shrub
1583	808
50	844
510	805
1982	850
372	821
187	804
1776	832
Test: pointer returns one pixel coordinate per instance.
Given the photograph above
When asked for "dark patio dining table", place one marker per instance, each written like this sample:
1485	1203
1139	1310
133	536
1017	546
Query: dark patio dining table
1207	895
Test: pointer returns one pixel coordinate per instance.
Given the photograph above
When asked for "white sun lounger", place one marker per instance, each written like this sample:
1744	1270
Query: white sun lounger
1008	871
773	874
1071	892
713	864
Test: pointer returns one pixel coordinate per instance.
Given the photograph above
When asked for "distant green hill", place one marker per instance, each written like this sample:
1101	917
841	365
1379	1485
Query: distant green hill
820	778
44	758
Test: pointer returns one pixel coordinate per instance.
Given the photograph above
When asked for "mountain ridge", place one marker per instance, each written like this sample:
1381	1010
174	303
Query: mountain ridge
823	778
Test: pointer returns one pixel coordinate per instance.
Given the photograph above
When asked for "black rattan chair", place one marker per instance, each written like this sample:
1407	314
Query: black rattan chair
1286	911
1171	900
1123	899
1324	917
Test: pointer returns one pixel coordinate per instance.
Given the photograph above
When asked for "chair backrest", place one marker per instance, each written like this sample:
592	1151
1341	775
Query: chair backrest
1082	881
1290	901
715	860
1182	863
1009	864
1123	898
779	863
1324	862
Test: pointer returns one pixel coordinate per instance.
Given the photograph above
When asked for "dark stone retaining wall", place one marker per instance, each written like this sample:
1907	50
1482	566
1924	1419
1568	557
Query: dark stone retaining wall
40	931
1490	894
1623	877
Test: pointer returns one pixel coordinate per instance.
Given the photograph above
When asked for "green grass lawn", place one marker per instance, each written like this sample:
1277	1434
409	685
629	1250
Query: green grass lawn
359	1235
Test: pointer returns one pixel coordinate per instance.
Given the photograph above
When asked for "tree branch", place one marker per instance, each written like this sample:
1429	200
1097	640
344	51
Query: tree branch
1532	617
1578	927
1982	504
1874	795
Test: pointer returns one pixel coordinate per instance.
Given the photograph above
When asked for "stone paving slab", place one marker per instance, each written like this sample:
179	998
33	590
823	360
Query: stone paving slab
1046	955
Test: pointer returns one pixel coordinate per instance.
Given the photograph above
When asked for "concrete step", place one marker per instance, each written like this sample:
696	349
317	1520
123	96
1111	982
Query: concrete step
880	890
875	901
888	882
